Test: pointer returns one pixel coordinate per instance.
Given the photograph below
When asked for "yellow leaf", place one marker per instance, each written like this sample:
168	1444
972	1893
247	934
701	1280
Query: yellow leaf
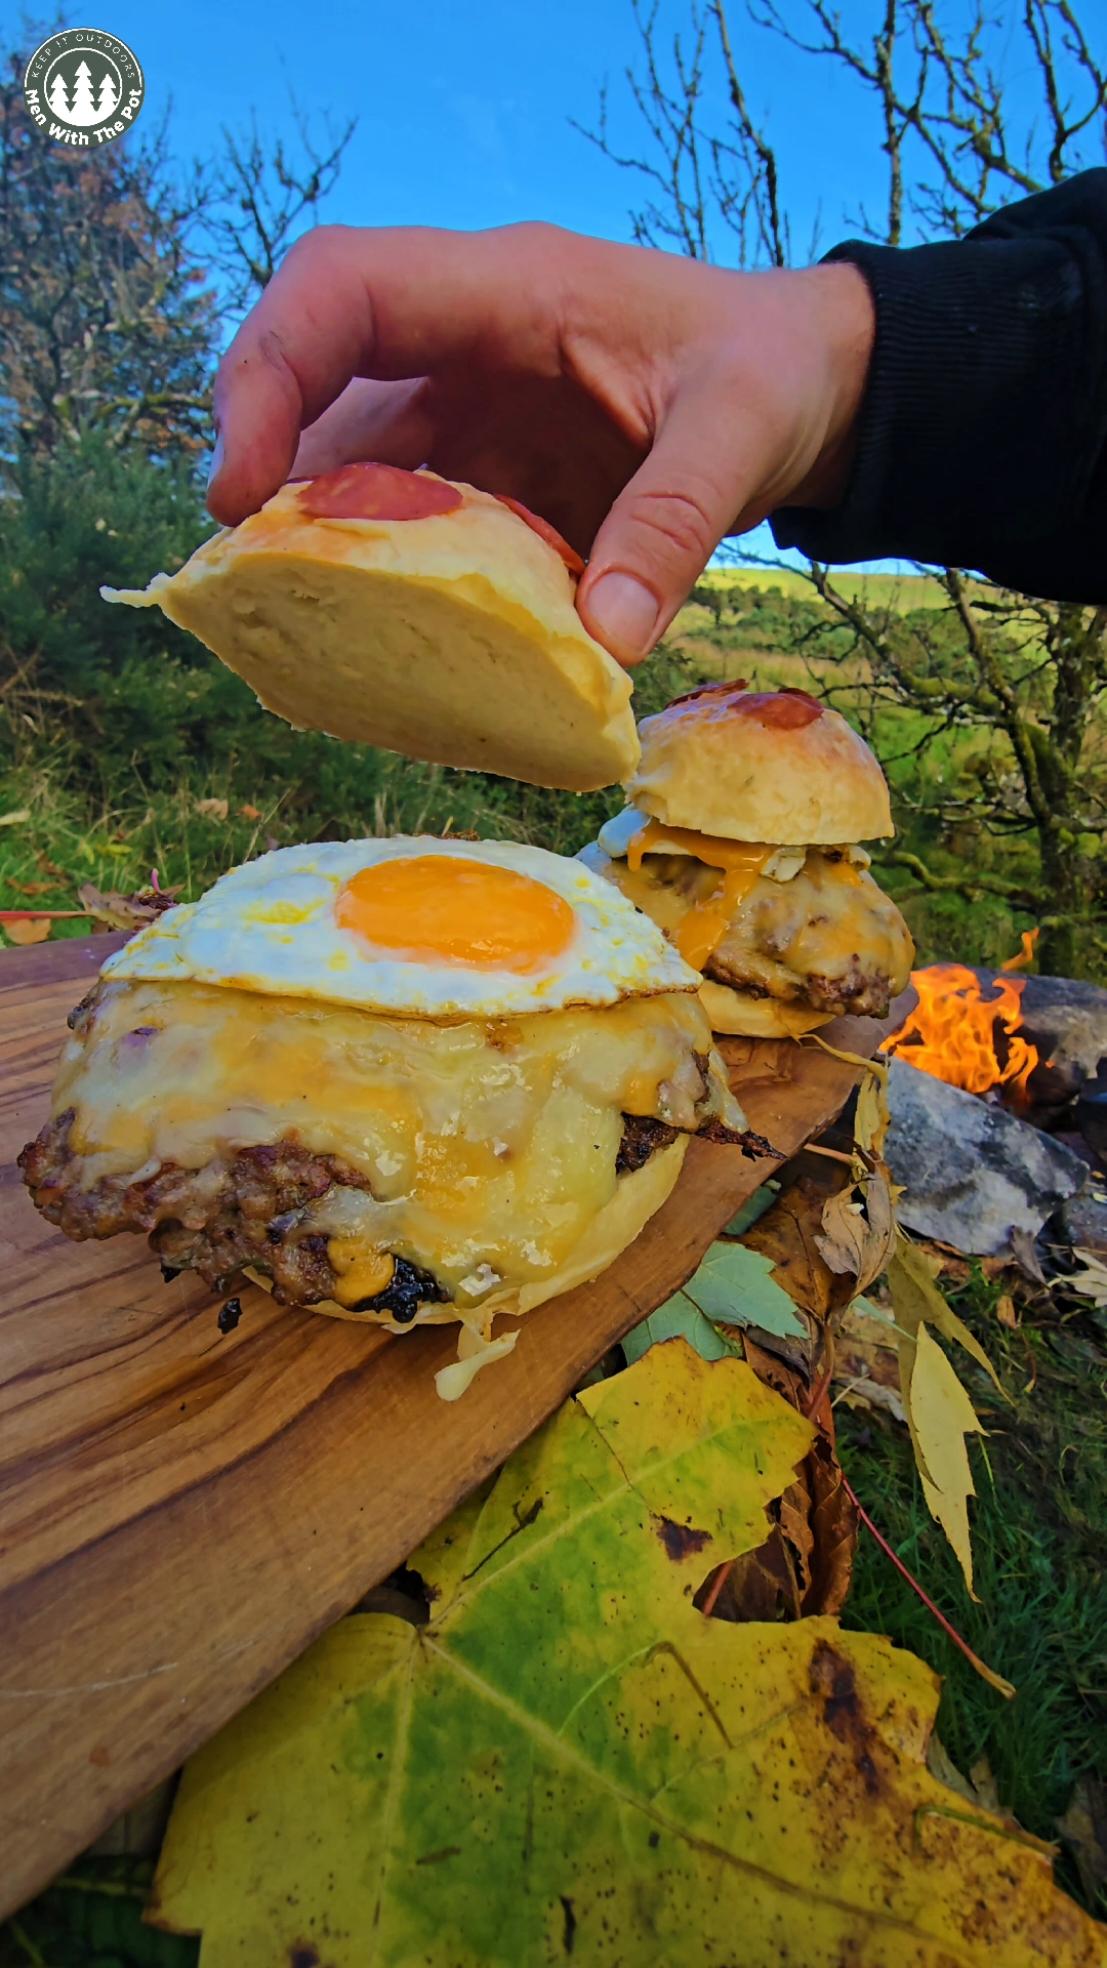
916	1298
872	1117
941	1416
16	817
569	1760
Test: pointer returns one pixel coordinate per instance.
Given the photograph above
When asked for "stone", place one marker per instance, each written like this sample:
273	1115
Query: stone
971	1172
1082	1220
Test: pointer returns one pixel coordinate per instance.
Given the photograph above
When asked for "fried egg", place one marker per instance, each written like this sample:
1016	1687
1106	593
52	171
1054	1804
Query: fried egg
416	926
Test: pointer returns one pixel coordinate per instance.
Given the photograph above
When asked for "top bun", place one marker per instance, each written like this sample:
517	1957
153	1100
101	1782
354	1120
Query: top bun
399	609
760	765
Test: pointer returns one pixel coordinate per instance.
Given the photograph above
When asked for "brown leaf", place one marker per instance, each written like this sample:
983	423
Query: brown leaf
249	812
35	929
1005	1310
112	910
32	888
815	1516
858	1235
788	1235
866	1361
1026	1256
215	809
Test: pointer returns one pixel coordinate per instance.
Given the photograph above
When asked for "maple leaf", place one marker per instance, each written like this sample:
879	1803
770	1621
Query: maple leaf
733	1286
568	1759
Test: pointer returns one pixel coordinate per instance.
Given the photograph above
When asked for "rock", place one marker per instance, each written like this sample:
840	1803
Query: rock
1082	1220
971	1172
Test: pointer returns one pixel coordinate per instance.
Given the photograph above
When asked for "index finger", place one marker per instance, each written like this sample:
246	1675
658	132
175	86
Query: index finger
348	301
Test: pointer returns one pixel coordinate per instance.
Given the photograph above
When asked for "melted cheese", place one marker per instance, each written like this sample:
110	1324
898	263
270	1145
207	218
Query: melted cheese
703	926
489	1145
825	921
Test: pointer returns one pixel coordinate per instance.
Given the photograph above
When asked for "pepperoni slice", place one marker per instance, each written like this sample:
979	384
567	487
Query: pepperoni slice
780	710
775	710
377	492
544	531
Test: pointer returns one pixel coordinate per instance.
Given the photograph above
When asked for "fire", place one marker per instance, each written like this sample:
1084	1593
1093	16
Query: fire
952	1031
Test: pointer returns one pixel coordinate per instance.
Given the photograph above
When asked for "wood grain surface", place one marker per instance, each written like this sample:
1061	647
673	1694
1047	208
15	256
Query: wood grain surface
181	1512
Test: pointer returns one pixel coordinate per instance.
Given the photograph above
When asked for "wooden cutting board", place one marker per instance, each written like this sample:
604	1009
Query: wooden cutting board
180	1512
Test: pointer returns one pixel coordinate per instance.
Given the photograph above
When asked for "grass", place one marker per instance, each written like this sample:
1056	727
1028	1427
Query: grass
1039	1551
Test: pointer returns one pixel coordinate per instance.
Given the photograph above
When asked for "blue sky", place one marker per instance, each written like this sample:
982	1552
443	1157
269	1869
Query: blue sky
466	110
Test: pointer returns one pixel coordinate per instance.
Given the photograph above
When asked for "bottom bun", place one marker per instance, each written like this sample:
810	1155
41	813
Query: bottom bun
638	1196
739	1015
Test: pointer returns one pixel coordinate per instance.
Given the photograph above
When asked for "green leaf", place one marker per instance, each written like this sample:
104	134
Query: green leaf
678	1318
736	1286
569	1760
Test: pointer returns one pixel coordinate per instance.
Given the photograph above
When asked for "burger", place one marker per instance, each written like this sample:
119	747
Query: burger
403	610
404	1081
741	840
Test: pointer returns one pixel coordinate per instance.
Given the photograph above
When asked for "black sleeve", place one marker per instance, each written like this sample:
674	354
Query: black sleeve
982	440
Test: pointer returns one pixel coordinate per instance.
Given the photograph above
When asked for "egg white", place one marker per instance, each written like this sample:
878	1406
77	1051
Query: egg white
270	926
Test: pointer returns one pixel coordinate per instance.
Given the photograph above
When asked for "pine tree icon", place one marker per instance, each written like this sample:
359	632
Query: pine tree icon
82	109
57	98
109	95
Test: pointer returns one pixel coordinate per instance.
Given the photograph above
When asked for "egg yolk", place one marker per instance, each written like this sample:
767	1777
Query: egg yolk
441	908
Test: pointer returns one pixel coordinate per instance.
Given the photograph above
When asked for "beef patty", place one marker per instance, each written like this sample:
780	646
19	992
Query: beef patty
247	1212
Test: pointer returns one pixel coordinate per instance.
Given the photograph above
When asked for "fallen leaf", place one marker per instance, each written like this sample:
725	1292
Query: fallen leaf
115	911
35	929
1005	1311
858	1232
1089	1278
867	1359
939	1413
735	1285
569	1759
677	1318
916	1298
249	812
16	817
872	1116
1025	1253
941	1416
788	1235
214	809
32	888
814	1514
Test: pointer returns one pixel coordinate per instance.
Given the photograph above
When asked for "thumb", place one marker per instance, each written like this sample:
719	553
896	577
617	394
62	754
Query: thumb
661	532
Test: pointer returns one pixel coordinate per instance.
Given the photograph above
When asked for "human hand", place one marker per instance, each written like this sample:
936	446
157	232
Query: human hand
647	405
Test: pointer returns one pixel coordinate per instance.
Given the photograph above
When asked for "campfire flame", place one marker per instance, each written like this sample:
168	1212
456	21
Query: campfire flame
952	1031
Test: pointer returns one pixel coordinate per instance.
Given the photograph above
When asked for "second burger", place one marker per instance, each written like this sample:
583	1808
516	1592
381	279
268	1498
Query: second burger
742	841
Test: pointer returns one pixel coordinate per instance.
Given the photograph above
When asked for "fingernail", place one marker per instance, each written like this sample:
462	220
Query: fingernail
623	614
216	464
